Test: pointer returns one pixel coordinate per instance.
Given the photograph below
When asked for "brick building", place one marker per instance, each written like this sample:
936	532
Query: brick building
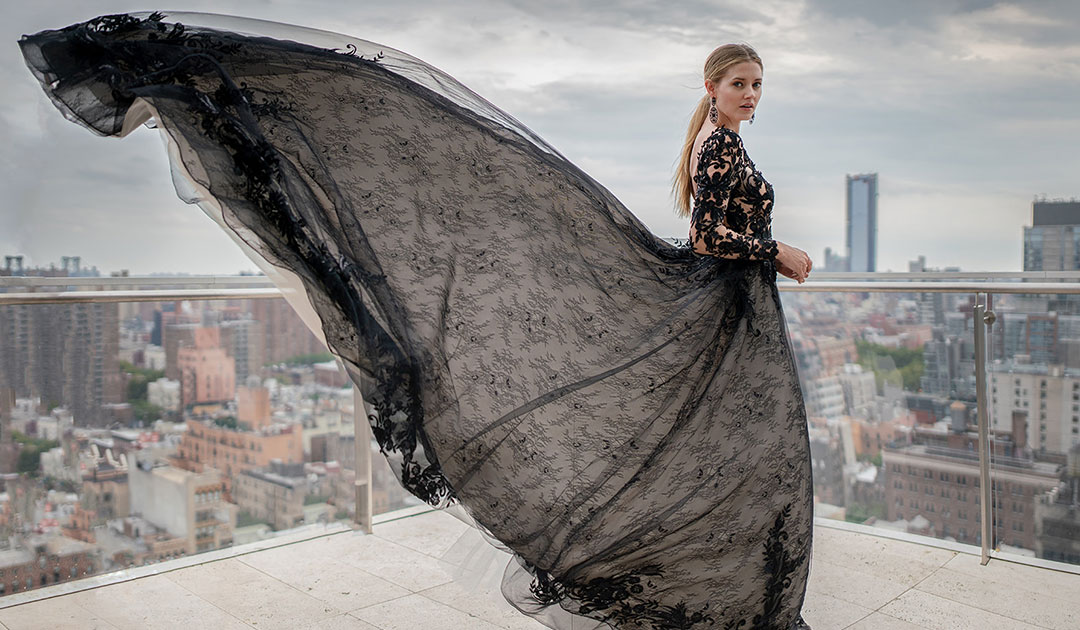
207	372
942	484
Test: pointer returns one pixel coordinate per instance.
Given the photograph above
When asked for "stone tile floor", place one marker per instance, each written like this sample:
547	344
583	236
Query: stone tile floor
393	580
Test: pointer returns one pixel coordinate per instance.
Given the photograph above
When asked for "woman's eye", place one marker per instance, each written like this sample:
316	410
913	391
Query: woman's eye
738	83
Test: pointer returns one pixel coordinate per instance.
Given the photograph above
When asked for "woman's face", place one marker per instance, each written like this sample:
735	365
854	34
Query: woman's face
737	93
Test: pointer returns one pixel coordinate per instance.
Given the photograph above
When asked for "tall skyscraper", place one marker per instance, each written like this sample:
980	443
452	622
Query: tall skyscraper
861	222
1052	242
66	354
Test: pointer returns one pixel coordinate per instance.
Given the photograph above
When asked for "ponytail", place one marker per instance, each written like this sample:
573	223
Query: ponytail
682	184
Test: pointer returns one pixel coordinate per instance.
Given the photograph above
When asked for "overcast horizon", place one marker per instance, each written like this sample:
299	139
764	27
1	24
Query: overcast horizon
966	109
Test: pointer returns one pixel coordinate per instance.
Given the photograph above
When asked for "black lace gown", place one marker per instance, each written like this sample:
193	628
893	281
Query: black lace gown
621	414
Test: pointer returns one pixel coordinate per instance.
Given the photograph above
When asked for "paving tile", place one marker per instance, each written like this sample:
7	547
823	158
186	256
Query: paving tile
881	621
825	612
390	561
342	622
938	613
1030	577
852	585
1015	598
487	605
894	560
416	611
154	602
252	596
431	533
62	613
340	585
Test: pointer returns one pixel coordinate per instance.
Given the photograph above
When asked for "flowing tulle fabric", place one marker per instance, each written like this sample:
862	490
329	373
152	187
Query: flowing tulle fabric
621	416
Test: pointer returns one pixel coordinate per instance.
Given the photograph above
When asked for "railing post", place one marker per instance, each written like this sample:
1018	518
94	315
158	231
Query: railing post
362	433
982	412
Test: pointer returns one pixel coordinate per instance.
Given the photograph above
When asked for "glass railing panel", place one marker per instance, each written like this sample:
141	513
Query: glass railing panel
137	432
889	383
1033	404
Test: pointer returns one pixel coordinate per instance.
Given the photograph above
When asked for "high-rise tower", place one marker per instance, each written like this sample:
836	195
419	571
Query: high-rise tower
861	222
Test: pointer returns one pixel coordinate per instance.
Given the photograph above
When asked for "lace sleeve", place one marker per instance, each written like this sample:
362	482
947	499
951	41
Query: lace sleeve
715	178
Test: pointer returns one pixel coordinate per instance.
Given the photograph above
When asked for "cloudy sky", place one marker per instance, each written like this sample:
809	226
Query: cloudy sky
967	110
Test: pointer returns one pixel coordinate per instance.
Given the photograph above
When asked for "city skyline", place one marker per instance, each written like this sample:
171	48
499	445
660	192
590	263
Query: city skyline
965	109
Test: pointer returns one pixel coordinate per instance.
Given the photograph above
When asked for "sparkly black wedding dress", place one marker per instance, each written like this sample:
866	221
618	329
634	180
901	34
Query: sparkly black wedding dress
621	414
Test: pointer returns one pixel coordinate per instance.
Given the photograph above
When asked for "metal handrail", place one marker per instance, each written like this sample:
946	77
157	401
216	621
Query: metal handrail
946	275
264	281
930	287
135	281
159	295
146	295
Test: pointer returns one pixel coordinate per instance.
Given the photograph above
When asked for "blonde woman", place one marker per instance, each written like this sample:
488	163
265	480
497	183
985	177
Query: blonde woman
619	417
716	172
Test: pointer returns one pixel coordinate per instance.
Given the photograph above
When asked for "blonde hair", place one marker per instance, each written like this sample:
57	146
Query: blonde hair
716	66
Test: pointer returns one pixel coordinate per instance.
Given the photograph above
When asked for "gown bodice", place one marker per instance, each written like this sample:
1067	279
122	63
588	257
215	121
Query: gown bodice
732	216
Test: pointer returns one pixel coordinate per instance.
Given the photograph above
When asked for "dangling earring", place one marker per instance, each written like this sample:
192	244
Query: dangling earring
713	114
752	117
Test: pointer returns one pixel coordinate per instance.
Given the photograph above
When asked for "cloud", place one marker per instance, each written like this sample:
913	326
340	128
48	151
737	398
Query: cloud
966	109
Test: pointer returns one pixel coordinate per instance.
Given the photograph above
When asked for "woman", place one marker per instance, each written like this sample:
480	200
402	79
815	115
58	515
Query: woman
621	415
733	90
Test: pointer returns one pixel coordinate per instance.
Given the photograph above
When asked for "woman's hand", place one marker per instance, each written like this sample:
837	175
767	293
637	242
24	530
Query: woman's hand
793	262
